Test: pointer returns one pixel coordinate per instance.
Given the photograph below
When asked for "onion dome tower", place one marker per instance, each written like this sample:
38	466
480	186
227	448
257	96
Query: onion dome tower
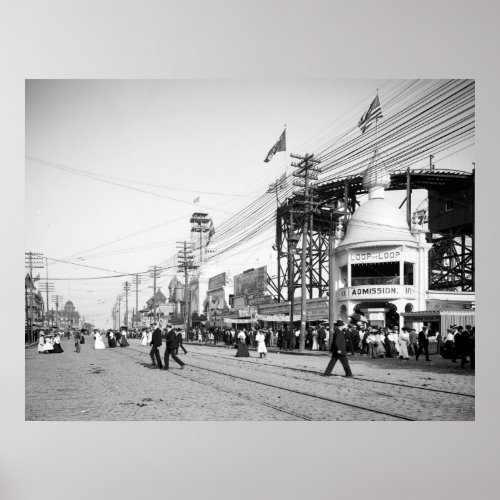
377	220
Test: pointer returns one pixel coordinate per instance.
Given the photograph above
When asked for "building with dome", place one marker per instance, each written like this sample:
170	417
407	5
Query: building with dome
381	265
69	317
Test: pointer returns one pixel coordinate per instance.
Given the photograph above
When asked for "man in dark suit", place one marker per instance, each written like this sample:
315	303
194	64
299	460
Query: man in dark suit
156	343
180	342
170	349
338	350
423	344
464	345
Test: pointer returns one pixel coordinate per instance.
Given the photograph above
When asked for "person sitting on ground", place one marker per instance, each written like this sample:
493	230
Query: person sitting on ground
49	344
242	346
57	343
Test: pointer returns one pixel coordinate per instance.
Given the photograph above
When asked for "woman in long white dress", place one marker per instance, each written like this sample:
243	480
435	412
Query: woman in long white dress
404	341
144	338
41	342
260	338
49	345
98	344
315	345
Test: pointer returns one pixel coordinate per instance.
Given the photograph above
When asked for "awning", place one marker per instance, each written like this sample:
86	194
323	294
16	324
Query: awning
278	318
243	321
446	318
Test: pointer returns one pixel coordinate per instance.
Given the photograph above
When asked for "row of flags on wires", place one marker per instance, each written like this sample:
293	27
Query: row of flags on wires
373	113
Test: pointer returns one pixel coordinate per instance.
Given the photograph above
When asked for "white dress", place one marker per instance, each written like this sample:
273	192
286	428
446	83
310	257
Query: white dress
41	344
260	338
404	340
99	344
315	345
144	339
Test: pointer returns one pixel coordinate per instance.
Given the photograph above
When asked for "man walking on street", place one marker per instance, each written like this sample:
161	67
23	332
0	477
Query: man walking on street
180	341
156	343
172	345
413	342
338	350
77	336
423	344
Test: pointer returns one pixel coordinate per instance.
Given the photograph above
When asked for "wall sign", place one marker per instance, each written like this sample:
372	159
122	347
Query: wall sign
375	255
376	292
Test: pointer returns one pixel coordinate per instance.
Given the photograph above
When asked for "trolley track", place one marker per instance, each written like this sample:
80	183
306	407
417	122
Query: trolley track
285	389
357	378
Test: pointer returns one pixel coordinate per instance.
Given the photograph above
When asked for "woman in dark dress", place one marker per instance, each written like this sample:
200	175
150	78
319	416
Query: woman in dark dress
57	344
242	346
111	339
123	338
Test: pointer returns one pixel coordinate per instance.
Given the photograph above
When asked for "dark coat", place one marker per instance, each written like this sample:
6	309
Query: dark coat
156	338
172	342
422	338
338	343
179	338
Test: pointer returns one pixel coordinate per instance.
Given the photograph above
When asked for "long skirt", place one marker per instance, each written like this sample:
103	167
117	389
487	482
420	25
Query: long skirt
124	342
315	345
261	347
242	350
58	348
379	349
112	342
403	350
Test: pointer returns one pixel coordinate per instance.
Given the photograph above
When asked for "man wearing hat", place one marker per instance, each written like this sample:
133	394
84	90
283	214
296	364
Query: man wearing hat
170	349
77	336
156	343
338	350
413	341
423	343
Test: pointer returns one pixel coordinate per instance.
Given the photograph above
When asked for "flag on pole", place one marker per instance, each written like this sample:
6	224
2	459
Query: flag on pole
374	112
279	146
196	200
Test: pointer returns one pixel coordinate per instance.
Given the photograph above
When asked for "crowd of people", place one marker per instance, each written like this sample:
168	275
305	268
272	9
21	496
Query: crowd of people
361	339
49	342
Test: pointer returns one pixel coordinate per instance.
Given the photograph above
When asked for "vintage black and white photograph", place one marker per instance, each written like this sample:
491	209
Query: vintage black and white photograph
250	250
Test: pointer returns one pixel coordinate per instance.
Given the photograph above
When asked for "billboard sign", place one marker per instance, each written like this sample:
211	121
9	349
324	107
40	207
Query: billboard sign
252	282
217	281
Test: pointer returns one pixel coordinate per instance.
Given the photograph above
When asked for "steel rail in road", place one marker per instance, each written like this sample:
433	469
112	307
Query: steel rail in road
429	389
286	389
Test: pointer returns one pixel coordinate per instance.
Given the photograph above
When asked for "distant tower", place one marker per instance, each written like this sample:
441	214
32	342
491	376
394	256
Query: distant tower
202	229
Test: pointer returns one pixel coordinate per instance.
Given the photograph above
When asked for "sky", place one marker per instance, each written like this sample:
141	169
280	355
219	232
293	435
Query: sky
169	141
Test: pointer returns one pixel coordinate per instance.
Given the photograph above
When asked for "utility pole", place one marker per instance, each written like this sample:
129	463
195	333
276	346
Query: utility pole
201	223
126	288
292	239
279	184
185	264
154	272
32	261
119	299
47	287
306	171
137	280
57	299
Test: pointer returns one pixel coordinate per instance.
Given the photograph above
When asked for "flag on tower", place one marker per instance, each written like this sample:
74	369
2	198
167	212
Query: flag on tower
279	146
374	112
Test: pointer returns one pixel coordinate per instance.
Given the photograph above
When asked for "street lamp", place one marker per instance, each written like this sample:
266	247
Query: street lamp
293	240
